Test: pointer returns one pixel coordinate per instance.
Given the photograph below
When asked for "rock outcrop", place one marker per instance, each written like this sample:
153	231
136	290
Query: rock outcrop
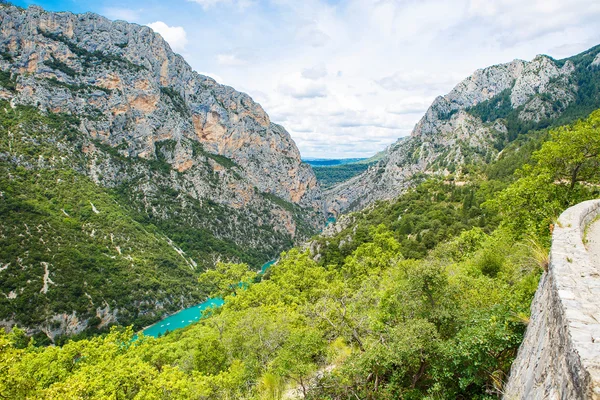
198	162
559	358
132	93
471	124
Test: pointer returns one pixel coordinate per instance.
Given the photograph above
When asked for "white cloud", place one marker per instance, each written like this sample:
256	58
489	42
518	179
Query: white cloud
415	81
309	91
314	73
209	3
313	36
409	105
125	14
230	60
239	4
348	78
174	35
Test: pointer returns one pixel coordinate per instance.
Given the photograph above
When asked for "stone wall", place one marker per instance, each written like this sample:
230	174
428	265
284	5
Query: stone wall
560	356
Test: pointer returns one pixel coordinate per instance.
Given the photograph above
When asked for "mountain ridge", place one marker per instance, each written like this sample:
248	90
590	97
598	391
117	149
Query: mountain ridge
196	167
475	120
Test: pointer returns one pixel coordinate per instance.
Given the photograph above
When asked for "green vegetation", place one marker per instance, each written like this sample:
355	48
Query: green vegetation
498	106
61	66
94	259
77	88
224	161
7	81
331	172
431	213
585	77
53	218
286	205
426	296
90	59
565	171
176	100
329	176
113	248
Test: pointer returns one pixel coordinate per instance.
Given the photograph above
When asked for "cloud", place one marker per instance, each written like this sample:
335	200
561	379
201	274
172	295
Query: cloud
309	91
174	35
239	4
313	36
210	3
348	78
314	73
408	107
416	81
125	14
230	60
512	21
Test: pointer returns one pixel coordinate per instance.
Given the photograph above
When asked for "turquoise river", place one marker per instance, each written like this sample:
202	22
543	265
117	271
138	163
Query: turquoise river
189	315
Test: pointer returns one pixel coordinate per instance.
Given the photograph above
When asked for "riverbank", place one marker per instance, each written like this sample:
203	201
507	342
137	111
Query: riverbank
187	316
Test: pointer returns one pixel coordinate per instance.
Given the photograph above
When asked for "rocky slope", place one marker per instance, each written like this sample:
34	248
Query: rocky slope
476	120
196	160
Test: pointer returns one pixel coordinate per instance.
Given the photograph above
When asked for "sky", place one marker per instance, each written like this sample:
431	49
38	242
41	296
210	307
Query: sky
347	78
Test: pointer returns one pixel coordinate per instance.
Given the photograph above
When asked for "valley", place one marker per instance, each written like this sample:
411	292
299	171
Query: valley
98	127
331	172
162	238
187	316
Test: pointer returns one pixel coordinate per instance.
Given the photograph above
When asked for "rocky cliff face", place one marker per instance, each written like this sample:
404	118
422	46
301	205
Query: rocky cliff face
474	121
132	92
199	161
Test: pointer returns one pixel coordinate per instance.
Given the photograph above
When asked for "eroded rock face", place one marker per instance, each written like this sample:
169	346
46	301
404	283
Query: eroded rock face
450	135
180	150
131	91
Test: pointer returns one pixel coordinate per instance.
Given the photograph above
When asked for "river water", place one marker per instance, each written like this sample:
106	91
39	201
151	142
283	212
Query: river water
189	315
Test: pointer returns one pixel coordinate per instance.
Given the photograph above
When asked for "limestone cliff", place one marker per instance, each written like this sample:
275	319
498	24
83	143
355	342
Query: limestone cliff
474	121
197	160
132	92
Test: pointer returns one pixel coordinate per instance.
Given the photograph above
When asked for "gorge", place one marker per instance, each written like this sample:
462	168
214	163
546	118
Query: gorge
136	194
168	147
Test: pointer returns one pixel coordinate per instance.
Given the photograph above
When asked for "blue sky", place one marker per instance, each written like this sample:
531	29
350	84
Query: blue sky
348	77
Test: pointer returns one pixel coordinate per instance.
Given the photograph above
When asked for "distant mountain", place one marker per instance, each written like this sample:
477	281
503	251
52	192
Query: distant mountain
375	158
475	121
330	172
124	174
324	162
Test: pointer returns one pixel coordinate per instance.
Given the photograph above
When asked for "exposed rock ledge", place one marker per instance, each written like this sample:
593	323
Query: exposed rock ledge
560	356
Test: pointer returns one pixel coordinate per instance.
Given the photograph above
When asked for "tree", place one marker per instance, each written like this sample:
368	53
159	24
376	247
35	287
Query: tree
382	252
299	357
571	156
226	279
573	153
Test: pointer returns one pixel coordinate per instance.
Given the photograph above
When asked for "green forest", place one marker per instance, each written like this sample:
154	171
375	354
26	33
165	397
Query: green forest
110	247
423	297
330	175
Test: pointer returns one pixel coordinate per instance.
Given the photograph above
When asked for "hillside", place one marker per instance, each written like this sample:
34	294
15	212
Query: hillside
475	121
330	162
425	296
330	172
101	122
329	176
